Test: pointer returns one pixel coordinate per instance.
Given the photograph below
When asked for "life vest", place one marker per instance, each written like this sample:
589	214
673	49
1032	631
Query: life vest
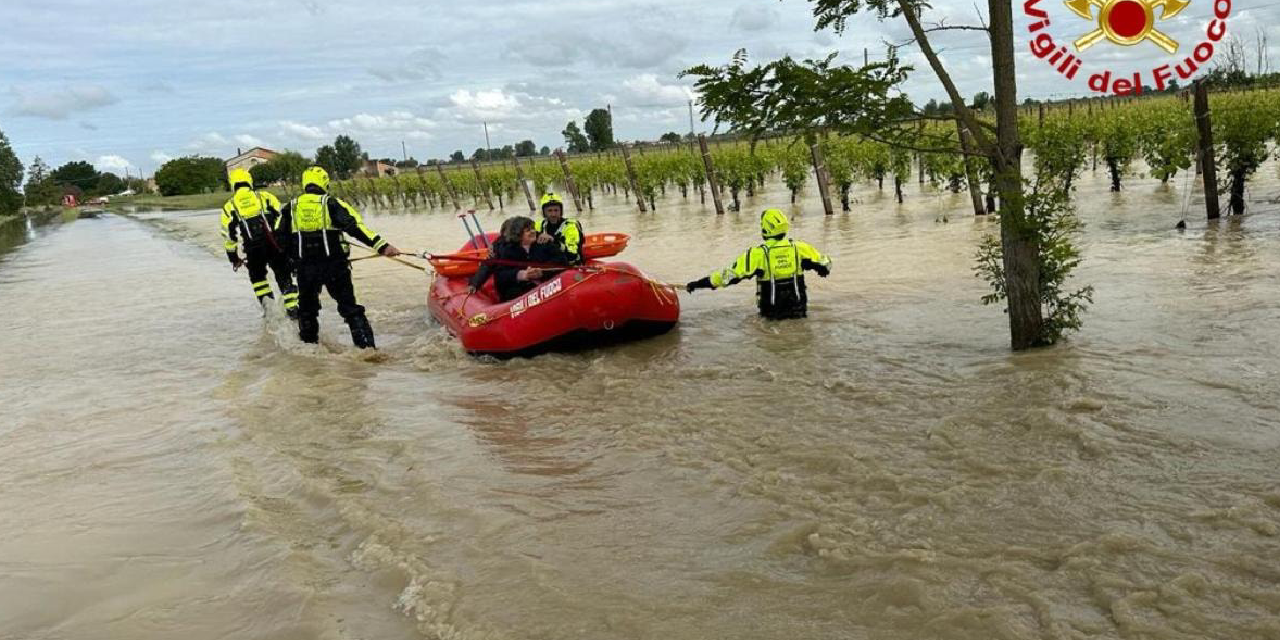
316	236
568	233
780	289
249	209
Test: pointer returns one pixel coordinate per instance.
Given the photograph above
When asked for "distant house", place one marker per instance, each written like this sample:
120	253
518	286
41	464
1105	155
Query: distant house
152	187
250	158
375	169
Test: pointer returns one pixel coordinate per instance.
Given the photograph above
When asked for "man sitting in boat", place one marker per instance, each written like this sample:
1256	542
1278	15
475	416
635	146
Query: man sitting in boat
555	228
778	266
517	248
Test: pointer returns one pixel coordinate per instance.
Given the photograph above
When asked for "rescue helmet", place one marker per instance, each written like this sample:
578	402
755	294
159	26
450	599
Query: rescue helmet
239	176
316	176
774	223
551	199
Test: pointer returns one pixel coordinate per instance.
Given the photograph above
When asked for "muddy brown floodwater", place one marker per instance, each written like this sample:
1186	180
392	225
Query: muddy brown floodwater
175	466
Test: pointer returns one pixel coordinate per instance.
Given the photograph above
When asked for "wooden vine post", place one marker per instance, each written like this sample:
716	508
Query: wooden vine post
820	172
448	187
524	184
1208	166
631	176
484	189
568	181
712	184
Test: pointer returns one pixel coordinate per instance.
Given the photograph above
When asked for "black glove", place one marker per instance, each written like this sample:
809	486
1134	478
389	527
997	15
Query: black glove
704	283
236	262
823	271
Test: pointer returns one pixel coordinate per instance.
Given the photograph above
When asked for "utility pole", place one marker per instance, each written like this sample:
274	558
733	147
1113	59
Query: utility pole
487	144
404	151
692	133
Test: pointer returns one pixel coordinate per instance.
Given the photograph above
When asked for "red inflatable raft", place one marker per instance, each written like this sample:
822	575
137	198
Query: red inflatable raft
597	303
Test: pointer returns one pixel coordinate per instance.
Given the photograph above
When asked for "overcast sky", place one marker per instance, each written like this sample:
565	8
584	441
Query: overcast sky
132	83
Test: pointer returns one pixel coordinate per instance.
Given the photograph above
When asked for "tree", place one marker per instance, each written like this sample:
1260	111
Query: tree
286	167
981	100
41	189
817	96
327	158
480	155
411	163
265	174
573	137
599	126
544	151
78	174
672	137
192	174
457	157
137	185
526	148
348	157
109	184
10	177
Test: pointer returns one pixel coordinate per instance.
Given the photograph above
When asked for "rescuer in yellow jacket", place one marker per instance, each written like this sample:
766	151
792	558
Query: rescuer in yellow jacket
554	227
778	265
248	219
312	230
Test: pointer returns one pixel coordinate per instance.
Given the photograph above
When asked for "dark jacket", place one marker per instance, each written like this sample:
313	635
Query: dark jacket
504	276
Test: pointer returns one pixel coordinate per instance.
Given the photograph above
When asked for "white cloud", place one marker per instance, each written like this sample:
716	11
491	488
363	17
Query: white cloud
112	163
211	139
754	17
58	104
395	121
300	130
160	157
484	105
645	90
249	141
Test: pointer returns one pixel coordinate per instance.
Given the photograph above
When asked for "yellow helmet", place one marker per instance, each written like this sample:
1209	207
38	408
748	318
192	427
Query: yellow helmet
316	176
551	199
237	176
774	223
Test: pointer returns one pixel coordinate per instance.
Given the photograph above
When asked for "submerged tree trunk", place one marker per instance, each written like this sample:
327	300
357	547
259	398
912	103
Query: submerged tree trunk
1114	168
897	187
1021	248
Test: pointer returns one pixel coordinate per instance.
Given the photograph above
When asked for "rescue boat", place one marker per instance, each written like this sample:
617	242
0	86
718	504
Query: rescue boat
597	303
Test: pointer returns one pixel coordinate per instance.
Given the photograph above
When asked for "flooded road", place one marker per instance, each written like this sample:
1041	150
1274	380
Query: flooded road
175	465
